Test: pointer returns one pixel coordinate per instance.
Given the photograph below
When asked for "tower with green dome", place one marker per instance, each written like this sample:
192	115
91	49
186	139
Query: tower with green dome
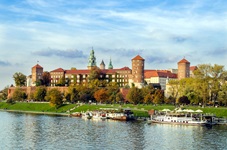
92	60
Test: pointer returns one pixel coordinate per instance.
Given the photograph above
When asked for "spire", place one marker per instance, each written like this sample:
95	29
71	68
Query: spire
102	65
110	65
92	59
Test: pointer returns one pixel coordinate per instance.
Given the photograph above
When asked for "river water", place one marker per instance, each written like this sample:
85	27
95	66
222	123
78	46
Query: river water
40	132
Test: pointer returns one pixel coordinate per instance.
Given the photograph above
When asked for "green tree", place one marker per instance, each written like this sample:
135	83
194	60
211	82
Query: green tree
119	97
158	97
73	94
85	93
149	89
46	78
54	96
40	93
112	90
19	95
135	95
4	92
222	95
173	90
183	100
20	79
38	82
148	99
73	68
61	81
94	73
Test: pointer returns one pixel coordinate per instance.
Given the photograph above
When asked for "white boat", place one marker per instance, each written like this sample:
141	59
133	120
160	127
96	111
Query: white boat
97	115
125	115
176	118
182	119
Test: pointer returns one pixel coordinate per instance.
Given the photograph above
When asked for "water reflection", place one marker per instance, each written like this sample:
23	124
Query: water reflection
25	131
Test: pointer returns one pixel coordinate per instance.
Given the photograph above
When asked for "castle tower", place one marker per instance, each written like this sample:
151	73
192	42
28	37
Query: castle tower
37	74
138	71
92	60
183	69
110	65
102	65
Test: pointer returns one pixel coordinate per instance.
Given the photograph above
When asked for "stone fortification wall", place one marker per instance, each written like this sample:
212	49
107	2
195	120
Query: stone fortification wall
31	89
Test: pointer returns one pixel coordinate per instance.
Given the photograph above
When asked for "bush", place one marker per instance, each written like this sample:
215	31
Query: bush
10	101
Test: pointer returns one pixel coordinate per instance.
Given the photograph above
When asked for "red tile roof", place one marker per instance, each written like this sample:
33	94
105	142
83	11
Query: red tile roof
138	57
58	70
77	71
192	68
37	66
159	73
125	68
184	61
87	71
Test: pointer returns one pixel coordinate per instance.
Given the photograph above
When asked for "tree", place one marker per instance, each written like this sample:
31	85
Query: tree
46	78
40	93
135	95
158	97
209	79
94	73
20	79
149	89
148	99
101	95
61	81
119	97
19	95
54	96
73	68
183	100
73	94
222	95
4	92
174	89
113	90
85	93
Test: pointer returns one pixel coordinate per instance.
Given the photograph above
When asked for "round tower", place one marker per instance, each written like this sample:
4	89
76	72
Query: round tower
183	69
138	71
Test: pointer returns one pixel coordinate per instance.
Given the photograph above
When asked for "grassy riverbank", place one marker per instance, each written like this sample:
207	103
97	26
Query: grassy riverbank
139	110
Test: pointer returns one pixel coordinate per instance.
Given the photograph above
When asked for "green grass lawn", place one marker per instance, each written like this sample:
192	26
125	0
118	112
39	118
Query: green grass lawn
139	110
39	107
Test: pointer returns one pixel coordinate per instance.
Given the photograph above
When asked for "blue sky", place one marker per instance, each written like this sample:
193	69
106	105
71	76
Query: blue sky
62	33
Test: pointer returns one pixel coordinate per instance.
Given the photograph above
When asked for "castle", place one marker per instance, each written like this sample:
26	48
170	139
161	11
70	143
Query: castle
123	76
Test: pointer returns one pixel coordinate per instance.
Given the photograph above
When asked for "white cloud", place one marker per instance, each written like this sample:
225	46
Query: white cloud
160	32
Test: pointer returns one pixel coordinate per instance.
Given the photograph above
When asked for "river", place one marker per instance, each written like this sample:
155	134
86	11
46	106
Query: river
42	132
